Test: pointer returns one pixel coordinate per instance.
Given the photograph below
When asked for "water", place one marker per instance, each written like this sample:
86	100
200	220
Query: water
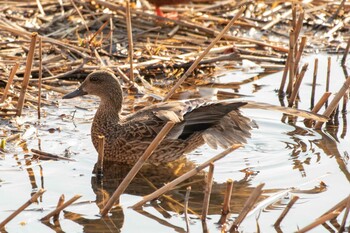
287	157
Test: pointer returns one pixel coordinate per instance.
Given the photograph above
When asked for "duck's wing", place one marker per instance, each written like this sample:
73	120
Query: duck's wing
220	123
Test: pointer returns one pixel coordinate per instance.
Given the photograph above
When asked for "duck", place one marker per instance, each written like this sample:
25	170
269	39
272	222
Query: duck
197	121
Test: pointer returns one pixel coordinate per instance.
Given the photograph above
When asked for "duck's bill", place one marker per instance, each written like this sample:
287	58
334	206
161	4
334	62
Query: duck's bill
77	92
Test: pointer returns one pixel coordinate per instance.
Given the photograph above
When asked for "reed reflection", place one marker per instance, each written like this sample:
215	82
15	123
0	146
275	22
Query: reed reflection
328	143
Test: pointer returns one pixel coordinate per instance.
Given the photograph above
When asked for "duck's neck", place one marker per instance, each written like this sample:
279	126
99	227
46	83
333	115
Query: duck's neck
109	110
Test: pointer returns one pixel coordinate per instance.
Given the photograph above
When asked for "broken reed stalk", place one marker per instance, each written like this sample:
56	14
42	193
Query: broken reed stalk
40	75
9	81
173	31
320	221
20	209
60	208
111	37
26	75
291	62
294	15
314	79
207	192
126	79
49	155
298	26
40	7
98	31
130	41
343	60
226	206
132	173
101	152
284	76
201	56
321	102
297	84
299	53
248	205
185	176
59	203
187	197
334	103
328	76
339	206
285	211
345	217
318	106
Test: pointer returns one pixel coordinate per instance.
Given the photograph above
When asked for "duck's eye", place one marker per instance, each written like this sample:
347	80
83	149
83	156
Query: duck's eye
94	79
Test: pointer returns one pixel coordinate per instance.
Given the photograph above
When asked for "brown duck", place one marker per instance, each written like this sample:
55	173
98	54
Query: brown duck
127	137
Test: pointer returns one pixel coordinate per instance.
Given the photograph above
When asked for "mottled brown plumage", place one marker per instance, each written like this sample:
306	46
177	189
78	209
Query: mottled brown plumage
127	137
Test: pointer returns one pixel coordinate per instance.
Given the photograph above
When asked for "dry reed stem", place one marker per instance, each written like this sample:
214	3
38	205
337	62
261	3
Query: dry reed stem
27	72
60	208
98	31
59	203
329	63
40	7
334	103
339	206
321	102
319	221
130	40
132	173
248	205
80	15
277	20
284	75
50	156
9	81
314	79
111	38
299	53
187	197
185	176
126	79
40	75
101	151
343	222
298	26
291	62
294	15
207	192
173	31
343	60
227	200
297	84
20	209
196	62
285	211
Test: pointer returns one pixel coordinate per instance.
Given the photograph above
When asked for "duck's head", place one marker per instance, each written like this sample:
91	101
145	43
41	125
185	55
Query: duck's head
103	84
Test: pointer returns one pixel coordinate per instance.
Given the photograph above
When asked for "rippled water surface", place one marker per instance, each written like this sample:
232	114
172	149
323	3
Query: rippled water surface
288	157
